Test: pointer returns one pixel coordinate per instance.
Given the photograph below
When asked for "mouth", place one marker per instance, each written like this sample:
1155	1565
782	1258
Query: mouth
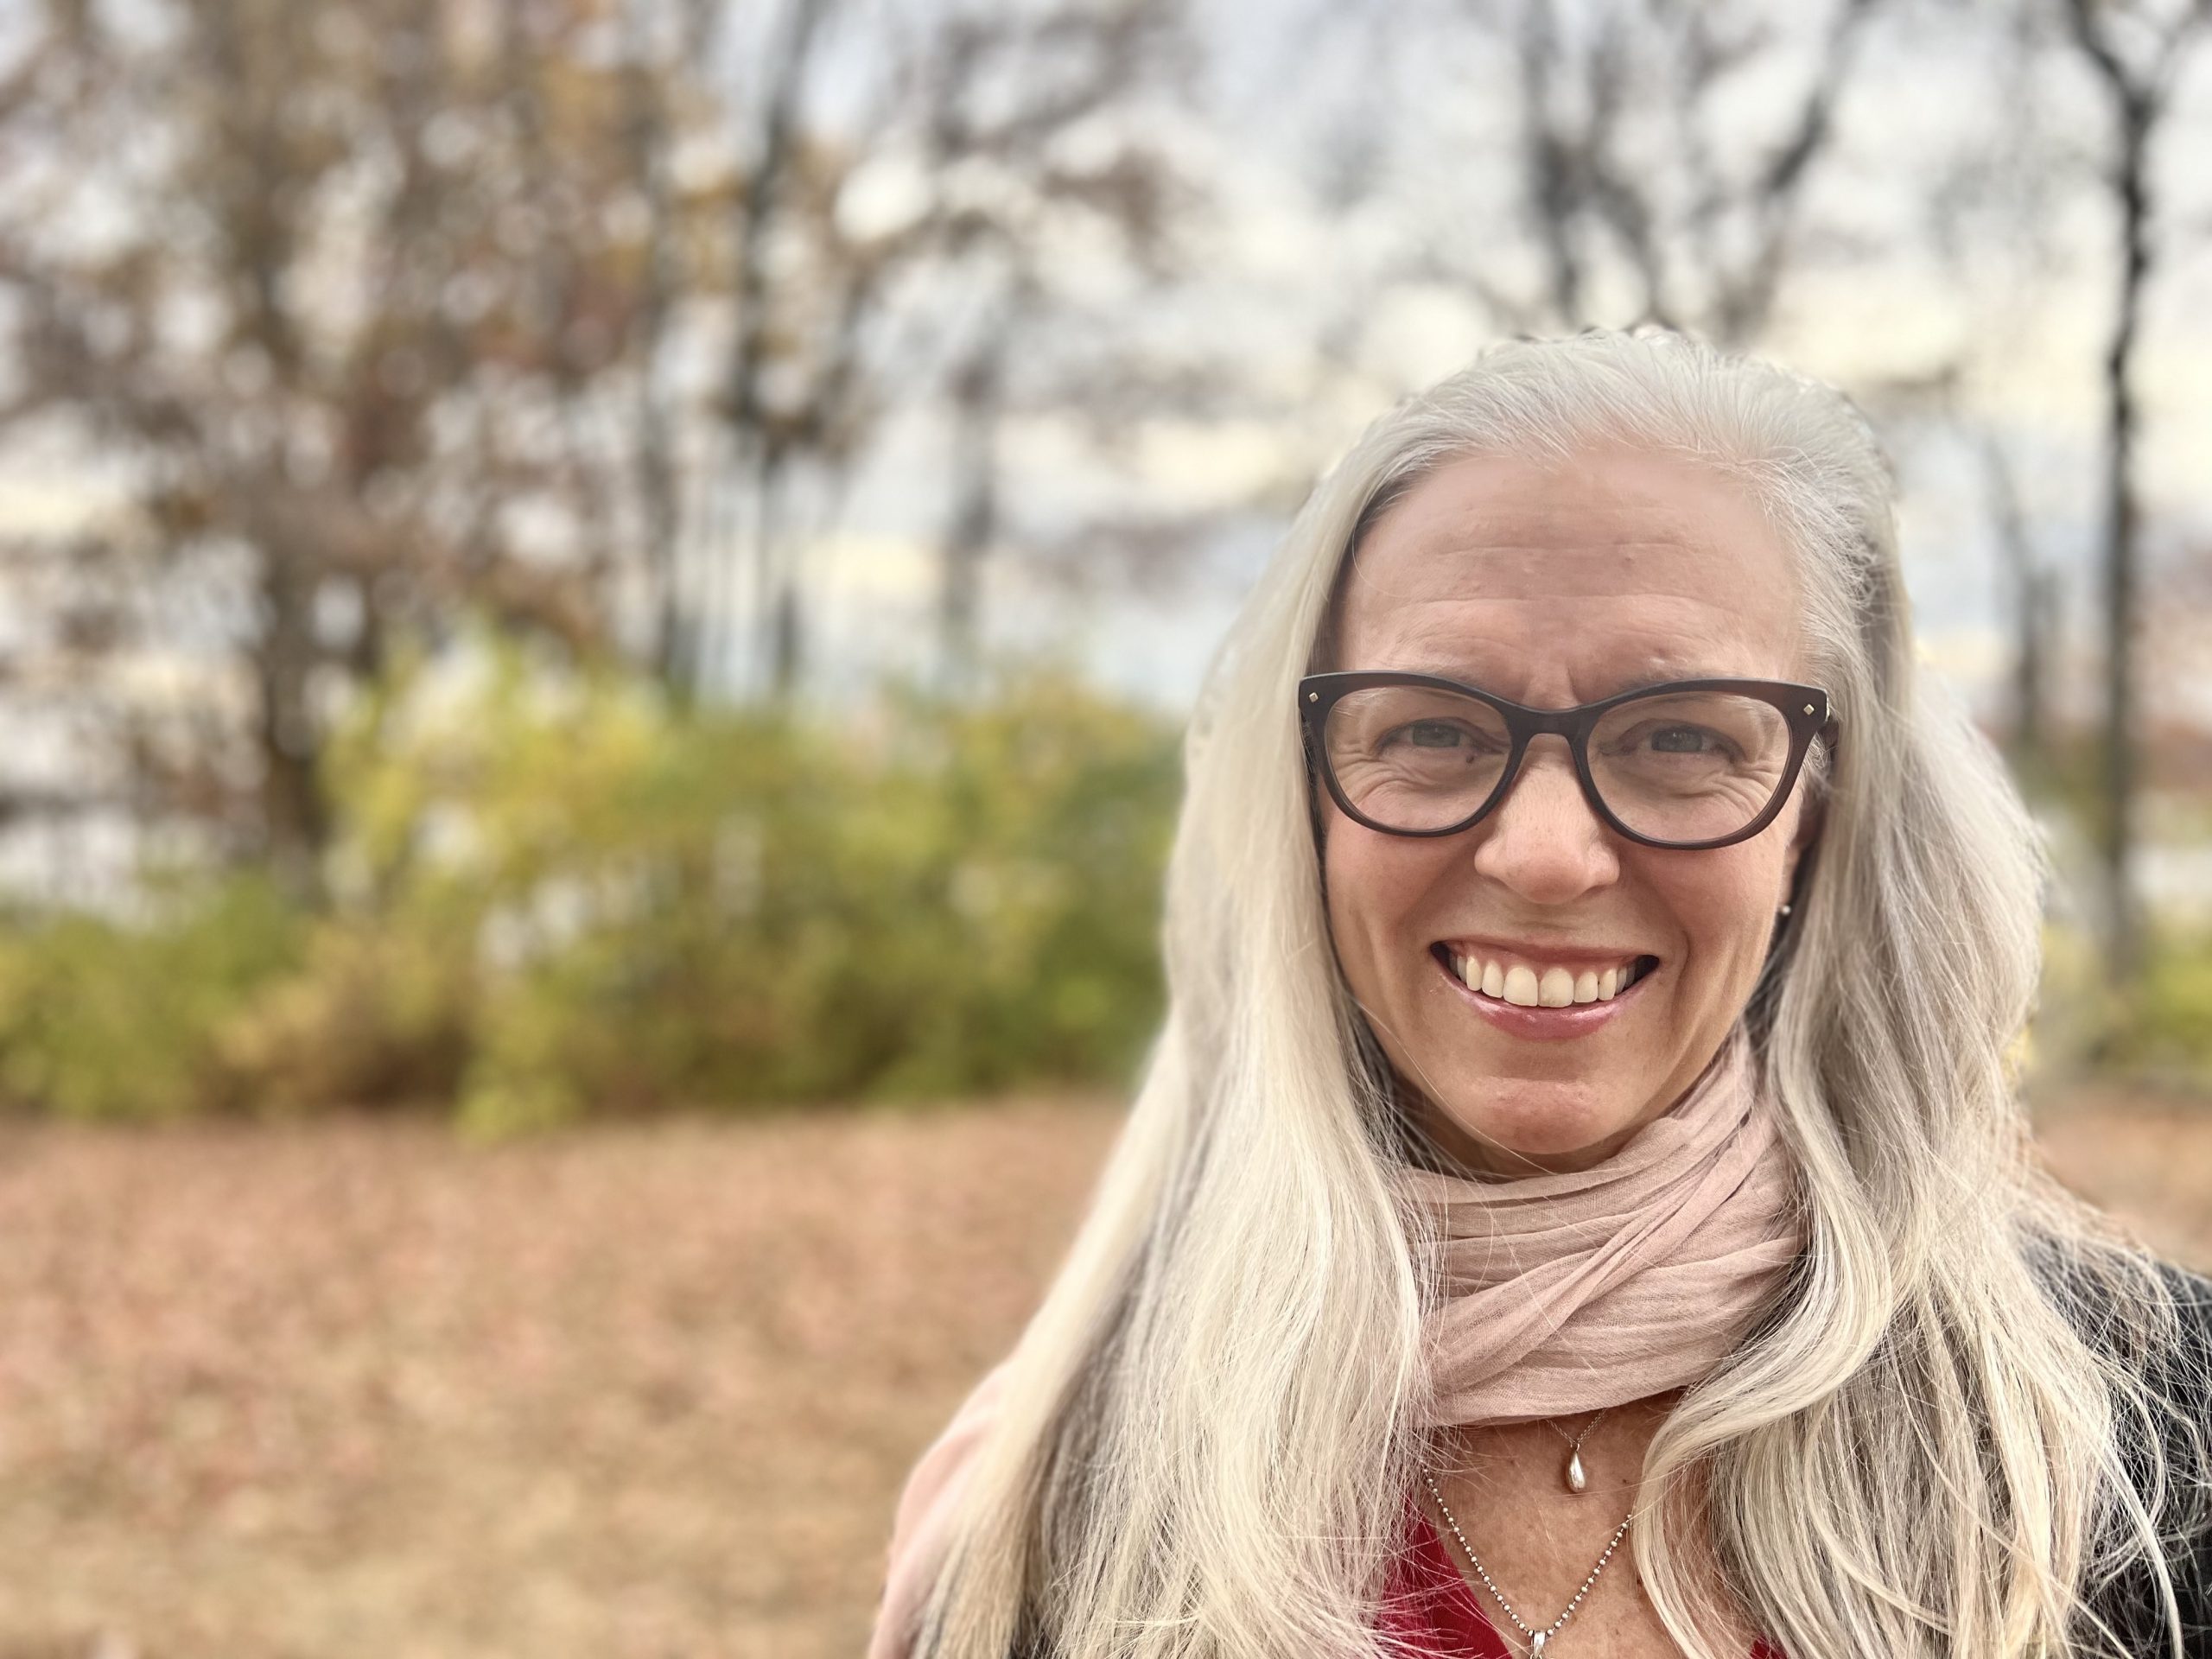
1528	983
1530	997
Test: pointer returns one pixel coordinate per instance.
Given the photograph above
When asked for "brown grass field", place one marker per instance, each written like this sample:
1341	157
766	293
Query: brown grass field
358	1388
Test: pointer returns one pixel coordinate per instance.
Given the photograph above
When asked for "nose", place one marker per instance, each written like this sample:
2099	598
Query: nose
1543	841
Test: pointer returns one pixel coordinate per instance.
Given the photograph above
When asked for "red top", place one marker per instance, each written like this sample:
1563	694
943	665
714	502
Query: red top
1430	1607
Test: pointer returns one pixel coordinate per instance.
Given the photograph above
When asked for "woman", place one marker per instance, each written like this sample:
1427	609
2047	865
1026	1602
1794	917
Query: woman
1578	1203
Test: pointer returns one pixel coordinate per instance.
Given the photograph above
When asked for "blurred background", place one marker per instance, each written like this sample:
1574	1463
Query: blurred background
595	602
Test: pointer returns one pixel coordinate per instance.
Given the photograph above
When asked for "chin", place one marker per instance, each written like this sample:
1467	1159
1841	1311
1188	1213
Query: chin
1538	1120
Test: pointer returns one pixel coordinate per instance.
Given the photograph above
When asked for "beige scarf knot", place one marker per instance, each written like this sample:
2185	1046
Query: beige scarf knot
1566	1293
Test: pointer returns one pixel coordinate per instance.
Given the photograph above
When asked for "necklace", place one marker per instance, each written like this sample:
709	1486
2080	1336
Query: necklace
1572	1474
1538	1640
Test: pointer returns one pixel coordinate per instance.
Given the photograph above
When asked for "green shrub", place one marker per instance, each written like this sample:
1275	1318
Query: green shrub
2163	1033
555	894
108	1018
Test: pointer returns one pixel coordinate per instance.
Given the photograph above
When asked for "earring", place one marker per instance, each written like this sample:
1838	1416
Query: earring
1784	911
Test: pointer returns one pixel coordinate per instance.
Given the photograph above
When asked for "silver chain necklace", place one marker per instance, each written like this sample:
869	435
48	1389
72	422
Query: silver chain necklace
1537	1639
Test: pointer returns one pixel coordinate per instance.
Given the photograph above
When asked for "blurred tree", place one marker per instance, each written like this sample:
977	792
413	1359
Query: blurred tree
904	244
2134	52
329	295
1636	173
369	314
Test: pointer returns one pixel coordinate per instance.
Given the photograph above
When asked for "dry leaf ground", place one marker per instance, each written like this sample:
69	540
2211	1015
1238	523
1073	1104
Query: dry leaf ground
354	1389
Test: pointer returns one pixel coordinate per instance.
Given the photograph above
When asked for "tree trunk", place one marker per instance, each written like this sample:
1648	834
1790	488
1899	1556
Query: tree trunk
978	397
2034	596
2117	783
294	816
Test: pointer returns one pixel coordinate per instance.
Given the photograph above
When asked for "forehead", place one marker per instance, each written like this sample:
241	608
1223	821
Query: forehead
1609	569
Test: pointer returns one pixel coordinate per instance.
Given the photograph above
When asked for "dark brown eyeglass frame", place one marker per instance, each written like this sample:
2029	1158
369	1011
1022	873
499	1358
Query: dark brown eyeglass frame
1805	707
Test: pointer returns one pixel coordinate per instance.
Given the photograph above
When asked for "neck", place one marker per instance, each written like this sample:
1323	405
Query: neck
1613	1450
1448	1148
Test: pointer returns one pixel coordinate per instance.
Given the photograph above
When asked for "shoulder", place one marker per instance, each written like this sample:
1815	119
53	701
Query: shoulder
2193	1300
2192	1367
921	1529
2158	1329
2121	1315
2176	1369
2175	1440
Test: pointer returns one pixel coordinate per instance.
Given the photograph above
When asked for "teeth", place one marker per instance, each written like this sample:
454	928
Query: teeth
1554	988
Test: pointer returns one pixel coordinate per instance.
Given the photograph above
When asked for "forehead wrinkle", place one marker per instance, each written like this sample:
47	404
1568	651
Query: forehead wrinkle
1459	538
1669	625
1496	647
1582	510
1603	482
1426	570
1619	673
1600	520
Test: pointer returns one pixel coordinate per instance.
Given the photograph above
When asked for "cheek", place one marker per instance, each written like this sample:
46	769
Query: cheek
1724	903
1375	884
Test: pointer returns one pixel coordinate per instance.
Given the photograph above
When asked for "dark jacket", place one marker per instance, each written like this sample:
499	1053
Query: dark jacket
2131	1603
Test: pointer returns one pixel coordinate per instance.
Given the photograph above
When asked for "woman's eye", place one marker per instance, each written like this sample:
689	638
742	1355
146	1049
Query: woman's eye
1433	734
1679	740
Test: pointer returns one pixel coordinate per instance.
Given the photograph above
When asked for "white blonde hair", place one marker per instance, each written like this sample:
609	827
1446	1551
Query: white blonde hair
1208	1431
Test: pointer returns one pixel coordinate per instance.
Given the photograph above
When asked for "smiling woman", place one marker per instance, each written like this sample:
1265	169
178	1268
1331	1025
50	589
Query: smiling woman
1579	1202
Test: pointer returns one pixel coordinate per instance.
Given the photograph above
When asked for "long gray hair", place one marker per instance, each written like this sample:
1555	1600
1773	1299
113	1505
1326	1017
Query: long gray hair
1207	1433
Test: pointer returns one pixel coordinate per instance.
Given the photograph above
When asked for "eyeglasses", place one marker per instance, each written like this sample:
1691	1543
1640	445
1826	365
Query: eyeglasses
1689	765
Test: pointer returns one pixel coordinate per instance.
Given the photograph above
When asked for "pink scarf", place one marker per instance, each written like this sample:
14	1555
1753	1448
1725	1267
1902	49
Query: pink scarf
1567	1293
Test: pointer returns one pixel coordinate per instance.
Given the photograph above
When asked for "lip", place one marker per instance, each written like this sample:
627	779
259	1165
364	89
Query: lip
1542	1025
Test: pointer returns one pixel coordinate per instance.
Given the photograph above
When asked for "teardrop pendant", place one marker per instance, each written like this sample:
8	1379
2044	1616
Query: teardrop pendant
1576	1479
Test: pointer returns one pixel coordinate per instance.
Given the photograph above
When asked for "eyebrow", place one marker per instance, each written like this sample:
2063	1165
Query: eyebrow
1634	677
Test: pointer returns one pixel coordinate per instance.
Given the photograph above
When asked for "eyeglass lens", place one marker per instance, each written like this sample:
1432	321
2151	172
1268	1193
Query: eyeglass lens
1677	766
